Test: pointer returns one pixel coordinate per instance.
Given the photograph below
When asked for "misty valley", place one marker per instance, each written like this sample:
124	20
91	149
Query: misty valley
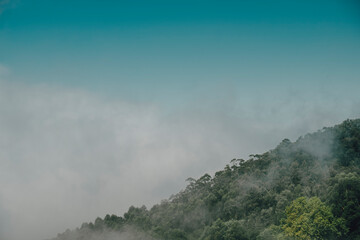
307	189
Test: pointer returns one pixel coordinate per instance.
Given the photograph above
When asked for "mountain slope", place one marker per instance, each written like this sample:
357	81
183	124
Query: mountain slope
307	189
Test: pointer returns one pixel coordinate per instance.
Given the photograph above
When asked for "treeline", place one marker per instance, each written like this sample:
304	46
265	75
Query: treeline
308	189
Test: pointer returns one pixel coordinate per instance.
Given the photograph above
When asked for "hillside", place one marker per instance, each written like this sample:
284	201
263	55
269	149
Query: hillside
307	189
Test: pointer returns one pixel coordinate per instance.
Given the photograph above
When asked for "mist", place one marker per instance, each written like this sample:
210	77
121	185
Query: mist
68	155
128	233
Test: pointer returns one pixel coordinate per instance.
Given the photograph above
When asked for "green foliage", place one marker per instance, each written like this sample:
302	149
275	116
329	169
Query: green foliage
313	184
347	147
311	219
272	233
344	196
229	230
138	217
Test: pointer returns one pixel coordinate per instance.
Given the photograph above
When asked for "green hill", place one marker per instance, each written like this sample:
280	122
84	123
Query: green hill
307	189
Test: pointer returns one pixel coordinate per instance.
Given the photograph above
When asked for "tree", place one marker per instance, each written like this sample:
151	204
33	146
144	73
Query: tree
311	219
344	197
230	230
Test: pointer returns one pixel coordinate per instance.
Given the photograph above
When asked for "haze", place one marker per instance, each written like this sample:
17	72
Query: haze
104	105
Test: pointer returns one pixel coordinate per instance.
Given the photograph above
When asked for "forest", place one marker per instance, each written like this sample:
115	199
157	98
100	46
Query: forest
307	189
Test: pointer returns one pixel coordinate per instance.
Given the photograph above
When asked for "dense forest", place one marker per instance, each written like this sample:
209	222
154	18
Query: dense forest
307	189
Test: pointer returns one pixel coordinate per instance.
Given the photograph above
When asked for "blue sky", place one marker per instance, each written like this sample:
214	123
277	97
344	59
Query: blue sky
162	51
108	104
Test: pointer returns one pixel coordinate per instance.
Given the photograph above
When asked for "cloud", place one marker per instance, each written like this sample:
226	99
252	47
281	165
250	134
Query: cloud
68	156
126	234
4	70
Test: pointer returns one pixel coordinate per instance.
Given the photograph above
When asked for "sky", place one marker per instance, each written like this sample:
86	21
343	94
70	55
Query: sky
108	104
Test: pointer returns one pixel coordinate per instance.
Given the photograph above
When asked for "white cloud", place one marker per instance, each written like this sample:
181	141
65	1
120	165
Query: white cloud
3	69
68	156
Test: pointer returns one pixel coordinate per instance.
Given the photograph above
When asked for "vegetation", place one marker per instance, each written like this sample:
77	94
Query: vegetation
307	189
312	219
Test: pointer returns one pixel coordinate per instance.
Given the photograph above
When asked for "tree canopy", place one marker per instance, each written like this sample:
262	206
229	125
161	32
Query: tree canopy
312	219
